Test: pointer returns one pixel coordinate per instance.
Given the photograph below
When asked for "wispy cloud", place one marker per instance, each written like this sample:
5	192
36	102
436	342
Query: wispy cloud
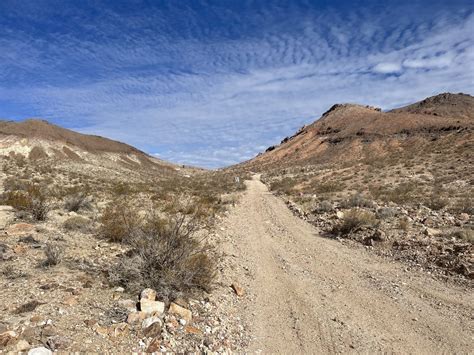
214	85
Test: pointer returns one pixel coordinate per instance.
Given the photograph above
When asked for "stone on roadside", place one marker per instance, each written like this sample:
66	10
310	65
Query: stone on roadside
129	305
152	307
181	312
6	337
136	317
153	330
40	351
149	321
154	346
148	294
431	232
22	345
239	290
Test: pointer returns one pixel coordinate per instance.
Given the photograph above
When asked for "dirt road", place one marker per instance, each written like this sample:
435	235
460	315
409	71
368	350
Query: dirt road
308	294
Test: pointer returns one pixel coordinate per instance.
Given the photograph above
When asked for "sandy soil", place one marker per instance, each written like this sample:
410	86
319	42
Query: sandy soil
307	294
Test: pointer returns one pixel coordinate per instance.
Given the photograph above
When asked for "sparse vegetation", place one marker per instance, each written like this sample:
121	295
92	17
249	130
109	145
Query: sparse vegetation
32	200
78	223
168	256
119	222
54	254
353	220
77	202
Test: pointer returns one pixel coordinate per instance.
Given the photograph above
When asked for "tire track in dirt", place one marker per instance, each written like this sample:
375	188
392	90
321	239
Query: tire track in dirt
308	294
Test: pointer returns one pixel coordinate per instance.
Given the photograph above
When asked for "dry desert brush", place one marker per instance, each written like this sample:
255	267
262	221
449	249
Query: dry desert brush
31	199
168	255
354	220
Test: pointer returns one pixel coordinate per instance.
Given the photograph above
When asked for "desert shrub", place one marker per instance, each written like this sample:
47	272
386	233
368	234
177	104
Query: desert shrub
77	202
121	189
464	205
54	254
466	234
403	193
436	202
404	224
119	222
386	212
324	206
357	200
326	187
168	256
32	200
12	183
284	185
78	223
353	220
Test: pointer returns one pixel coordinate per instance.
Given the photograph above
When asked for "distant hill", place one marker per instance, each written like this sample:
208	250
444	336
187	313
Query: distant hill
40	140
347	132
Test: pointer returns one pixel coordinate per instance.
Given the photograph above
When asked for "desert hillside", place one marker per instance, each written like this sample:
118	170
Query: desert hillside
349	132
399	182
353	235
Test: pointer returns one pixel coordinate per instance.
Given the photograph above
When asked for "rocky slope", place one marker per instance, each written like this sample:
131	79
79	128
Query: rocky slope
348	132
397	182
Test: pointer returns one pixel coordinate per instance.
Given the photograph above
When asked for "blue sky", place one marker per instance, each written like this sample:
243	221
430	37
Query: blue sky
212	83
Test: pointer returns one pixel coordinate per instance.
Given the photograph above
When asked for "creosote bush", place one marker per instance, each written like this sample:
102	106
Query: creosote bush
119	222
77	202
32	200
167	255
353	220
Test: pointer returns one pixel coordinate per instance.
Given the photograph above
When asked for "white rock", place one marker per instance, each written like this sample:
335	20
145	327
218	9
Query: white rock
340	215
148	294
150	307
119	289
40	351
149	321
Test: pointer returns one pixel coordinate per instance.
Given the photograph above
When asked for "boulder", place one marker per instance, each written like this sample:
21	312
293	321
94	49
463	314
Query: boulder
181	312
152	307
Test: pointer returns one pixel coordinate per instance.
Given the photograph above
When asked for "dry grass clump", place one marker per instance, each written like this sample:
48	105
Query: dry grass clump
466	234
436	202
54	254
357	200
78	223
168	256
77	202
32	200
353	220
119	222
283	186
324	206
